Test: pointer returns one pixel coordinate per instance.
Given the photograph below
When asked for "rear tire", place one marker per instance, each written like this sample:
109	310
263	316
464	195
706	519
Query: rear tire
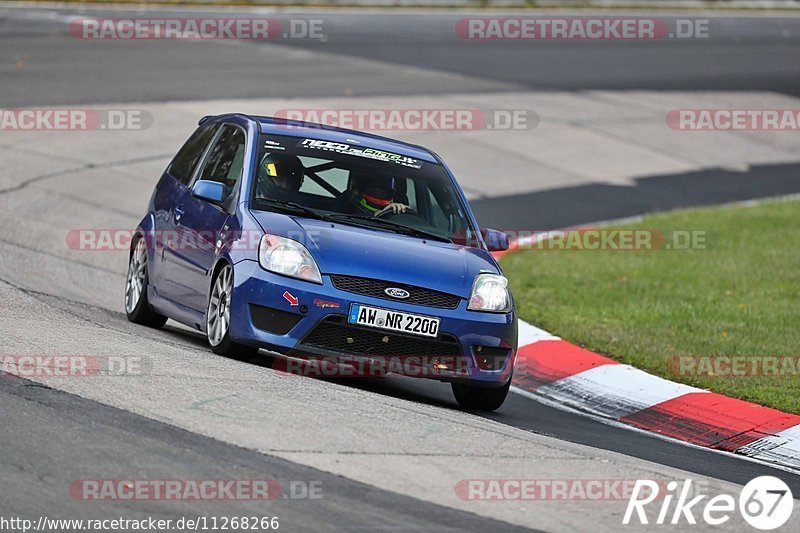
137	308
475	398
218	318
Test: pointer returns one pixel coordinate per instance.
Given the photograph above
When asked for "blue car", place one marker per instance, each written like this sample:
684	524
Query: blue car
322	243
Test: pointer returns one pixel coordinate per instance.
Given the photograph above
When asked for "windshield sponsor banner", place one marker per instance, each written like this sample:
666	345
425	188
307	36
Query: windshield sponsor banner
581	28
52	119
734	119
209	28
406	119
272	144
359	151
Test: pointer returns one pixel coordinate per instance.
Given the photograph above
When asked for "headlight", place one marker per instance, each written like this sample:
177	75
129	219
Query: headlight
490	293
287	257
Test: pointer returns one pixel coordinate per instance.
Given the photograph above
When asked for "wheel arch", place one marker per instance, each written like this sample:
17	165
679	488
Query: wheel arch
219	264
146	230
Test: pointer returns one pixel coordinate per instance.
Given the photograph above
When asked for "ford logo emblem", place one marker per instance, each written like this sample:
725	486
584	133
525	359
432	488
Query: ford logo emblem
394	292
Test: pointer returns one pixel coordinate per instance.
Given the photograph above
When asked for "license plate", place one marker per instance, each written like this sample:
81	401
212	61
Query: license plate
376	317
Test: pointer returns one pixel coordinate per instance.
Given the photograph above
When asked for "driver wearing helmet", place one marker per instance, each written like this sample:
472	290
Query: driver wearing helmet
375	195
279	176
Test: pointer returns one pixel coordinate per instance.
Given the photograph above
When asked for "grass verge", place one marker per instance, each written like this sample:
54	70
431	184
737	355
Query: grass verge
661	310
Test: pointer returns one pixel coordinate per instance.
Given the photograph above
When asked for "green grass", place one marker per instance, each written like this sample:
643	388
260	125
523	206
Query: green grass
739	296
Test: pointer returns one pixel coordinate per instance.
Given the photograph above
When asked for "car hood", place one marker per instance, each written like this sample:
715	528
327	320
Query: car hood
363	252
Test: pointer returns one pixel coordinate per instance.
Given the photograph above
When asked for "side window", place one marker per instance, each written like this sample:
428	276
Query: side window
224	161
184	162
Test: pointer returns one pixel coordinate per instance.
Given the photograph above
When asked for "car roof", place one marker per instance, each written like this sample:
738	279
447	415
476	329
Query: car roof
278	126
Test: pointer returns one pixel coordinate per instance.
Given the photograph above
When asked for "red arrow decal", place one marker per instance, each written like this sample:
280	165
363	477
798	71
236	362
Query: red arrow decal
289	298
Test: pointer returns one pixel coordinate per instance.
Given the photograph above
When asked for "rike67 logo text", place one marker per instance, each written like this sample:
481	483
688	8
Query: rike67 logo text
765	503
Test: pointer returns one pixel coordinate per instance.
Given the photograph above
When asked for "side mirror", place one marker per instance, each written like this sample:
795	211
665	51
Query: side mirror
495	240
210	191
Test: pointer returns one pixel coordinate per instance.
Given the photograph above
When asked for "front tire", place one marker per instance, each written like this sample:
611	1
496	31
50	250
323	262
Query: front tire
218	317
137	309
475	398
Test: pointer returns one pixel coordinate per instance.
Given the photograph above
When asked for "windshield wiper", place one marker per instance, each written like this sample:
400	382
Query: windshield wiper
388	224
286	206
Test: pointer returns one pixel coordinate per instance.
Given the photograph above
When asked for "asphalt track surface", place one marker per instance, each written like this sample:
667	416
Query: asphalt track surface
51	437
99	435
743	53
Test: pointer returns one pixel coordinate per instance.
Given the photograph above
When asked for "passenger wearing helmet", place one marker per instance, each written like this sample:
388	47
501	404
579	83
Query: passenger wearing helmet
375	194
279	176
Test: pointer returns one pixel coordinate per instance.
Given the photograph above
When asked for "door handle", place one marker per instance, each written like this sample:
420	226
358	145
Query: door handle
178	213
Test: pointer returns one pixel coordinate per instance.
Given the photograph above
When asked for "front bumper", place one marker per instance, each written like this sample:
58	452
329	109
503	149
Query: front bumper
303	319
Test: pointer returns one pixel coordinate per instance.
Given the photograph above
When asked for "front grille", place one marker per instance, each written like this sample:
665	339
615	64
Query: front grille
375	288
334	334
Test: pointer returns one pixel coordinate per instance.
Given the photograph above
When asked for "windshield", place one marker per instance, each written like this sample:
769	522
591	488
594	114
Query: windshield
352	184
